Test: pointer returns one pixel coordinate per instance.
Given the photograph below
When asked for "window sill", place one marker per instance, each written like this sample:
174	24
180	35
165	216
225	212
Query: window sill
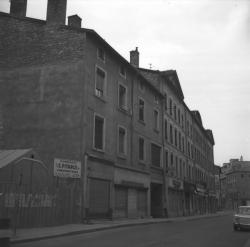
98	150
142	163
103	99
124	110
122	156
156	130
141	122
159	168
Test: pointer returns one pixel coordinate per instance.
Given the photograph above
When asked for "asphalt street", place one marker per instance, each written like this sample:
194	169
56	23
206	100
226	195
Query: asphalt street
216	232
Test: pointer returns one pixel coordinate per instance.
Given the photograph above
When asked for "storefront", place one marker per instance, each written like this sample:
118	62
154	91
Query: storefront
175	198
189	191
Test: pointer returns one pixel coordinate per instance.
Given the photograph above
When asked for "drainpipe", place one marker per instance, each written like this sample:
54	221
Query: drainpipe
165	180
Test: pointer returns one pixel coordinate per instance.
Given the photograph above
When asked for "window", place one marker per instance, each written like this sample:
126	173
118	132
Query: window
180	163
141	110
174	112
180	140
156	100
155	155
172	159
179	116
182	121
175	137
171	134
101	54
141	86
100	82
122	71
166	102
166	159
122	134
170	106
165	129
122	97
141	149
176	166
183	145
99	132
156	120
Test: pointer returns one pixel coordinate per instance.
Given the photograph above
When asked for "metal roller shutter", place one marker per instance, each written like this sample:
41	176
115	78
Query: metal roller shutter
142	202
121	202
99	192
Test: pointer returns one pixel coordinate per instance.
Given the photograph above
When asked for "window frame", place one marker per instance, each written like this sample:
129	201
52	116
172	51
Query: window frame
141	99
125	107
104	55
144	149
160	165
121	67
125	144
97	67
103	134
157	120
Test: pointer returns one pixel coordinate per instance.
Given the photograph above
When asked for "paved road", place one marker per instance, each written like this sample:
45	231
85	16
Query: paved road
212	232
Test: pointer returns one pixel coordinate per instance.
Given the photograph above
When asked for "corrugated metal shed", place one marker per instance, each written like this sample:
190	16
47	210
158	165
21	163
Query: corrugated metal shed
9	156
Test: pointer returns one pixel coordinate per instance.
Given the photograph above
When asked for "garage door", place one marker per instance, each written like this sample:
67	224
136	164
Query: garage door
99	191
121	202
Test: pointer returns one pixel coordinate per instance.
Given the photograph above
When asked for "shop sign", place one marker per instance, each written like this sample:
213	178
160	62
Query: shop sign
67	168
175	184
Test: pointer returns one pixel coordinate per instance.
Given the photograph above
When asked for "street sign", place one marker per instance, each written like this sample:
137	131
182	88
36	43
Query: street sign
67	168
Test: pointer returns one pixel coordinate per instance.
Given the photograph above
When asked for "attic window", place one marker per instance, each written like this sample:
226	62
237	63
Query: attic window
122	71
141	86
156	100
101	54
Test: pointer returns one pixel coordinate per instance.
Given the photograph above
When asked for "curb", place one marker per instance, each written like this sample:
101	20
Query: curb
101	228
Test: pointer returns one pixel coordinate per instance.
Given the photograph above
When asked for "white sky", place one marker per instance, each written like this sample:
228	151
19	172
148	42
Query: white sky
206	41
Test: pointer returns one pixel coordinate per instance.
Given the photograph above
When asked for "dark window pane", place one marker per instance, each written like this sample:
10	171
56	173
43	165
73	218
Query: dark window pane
155	155
99	123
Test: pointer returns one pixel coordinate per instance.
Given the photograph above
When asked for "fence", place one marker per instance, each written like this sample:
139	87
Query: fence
57	204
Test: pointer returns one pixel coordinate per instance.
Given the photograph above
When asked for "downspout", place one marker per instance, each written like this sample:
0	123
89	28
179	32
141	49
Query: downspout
165	180
83	131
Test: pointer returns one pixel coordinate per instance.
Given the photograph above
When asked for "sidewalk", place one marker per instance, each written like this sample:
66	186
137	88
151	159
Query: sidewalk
33	234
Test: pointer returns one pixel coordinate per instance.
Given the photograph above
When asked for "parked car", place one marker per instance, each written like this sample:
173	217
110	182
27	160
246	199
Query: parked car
242	218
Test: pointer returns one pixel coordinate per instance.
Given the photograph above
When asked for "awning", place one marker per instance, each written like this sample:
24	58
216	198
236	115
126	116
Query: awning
9	156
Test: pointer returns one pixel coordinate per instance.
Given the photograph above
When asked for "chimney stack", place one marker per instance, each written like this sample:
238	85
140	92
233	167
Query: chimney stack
56	11
75	21
134	57
18	7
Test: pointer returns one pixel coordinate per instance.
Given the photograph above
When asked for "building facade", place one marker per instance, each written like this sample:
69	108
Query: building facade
235	183
66	93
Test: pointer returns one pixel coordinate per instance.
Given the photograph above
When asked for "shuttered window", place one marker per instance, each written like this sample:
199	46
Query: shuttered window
141	110
99	133
155	155
122	97
100	82
141	149
122	140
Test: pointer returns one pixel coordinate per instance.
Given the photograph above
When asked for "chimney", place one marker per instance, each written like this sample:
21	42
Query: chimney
18	7
134	57
75	21
56	11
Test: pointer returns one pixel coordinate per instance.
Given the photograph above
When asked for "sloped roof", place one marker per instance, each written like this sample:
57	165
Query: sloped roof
170	77
9	156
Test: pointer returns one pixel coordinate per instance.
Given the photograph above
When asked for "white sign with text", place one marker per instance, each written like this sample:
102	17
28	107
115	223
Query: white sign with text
67	168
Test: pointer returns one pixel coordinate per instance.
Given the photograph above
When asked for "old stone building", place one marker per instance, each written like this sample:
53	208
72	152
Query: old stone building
235	183
188	150
67	94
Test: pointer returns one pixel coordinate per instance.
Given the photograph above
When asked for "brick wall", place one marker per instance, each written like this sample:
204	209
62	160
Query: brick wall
41	87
